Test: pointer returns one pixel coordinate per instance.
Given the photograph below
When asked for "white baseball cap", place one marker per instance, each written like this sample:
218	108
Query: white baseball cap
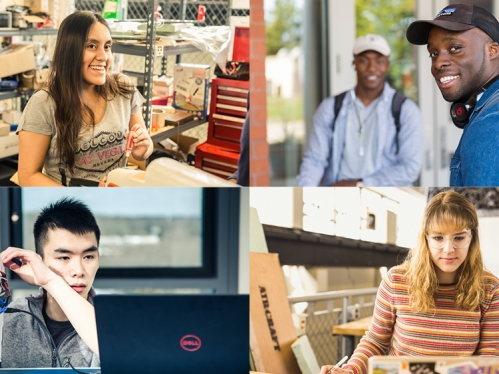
371	42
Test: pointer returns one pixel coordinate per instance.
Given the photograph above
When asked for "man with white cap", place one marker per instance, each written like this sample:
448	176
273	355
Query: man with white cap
463	43
369	135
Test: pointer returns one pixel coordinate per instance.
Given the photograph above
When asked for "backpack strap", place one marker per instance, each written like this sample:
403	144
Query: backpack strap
338	102
398	100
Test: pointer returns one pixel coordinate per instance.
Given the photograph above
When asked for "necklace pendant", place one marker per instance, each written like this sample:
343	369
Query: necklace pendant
361	150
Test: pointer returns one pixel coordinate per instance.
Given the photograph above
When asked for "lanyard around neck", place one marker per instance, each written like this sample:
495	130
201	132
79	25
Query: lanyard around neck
361	123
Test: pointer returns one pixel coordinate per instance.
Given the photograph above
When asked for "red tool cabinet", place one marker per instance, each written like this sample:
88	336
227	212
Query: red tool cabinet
228	108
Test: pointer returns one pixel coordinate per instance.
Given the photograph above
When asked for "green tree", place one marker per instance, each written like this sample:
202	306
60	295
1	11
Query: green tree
283	26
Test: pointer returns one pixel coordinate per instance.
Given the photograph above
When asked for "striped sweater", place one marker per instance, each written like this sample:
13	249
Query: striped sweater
397	331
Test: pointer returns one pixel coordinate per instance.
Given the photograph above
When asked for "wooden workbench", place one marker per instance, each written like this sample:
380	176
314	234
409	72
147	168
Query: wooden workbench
354	328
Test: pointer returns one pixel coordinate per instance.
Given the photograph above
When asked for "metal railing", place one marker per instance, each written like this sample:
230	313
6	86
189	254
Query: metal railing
319	322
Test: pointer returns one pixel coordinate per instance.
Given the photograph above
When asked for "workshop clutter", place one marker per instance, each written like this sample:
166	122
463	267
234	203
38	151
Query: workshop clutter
16	58
163	86
159	114
180	147
228	109
33	14
34	79
191	86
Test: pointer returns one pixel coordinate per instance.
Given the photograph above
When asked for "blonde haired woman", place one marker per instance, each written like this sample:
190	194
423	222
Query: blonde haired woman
440	301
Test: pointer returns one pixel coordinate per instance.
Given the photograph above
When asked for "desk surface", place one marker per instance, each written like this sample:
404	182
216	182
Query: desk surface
356	328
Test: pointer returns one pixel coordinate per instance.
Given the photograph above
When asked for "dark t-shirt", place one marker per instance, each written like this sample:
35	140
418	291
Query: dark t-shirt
58	330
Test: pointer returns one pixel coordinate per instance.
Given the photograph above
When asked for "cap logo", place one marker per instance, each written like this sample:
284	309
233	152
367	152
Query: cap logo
446	12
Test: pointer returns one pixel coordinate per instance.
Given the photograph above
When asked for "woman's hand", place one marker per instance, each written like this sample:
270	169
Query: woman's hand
33	271
142	142
325	370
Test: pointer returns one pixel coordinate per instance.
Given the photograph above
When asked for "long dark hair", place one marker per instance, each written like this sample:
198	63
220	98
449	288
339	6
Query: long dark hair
65	83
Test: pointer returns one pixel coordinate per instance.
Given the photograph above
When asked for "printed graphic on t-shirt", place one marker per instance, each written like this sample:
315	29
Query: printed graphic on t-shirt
99	154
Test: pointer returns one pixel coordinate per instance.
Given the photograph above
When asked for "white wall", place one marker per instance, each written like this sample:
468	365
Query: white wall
341	34
489	237
283	73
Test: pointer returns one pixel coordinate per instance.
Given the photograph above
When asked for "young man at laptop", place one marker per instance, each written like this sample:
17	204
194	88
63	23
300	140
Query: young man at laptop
57	326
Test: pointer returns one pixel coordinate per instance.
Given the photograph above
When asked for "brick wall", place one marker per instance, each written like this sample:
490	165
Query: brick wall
259	149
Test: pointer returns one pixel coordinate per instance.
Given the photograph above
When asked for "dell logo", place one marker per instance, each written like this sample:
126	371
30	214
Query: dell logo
190	343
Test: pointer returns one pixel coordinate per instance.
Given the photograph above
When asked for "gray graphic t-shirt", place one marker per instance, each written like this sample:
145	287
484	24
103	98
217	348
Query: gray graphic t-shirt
100	147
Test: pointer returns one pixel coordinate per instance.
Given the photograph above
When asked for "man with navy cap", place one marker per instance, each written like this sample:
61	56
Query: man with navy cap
462	42
367	135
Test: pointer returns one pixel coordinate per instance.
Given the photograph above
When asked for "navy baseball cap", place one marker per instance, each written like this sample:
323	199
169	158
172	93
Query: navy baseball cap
455	17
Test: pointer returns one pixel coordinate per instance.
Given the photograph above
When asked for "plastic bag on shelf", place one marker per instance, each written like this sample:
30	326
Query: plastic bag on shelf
166	40
212	39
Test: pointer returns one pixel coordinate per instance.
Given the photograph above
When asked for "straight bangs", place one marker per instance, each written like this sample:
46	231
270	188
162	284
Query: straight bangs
450	218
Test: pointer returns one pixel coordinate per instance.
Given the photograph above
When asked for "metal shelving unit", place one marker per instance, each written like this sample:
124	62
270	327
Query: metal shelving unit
9	95
165	134
150	50
28	32
22	32
159	51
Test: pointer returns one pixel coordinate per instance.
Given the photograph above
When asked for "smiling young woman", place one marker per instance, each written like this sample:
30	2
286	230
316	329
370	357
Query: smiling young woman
440	301
73	131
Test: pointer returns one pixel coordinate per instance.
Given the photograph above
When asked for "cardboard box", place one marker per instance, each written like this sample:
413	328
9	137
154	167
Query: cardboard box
4	129
162	86
37	6
187	144
271	327
15	59
11	117
178	146
190	88
9	145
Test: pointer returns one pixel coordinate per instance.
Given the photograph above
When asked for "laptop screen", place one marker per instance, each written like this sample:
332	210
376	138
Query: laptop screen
49	370
432	365
173	333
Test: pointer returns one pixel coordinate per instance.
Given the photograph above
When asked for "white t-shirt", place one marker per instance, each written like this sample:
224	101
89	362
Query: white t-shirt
100	147
356	164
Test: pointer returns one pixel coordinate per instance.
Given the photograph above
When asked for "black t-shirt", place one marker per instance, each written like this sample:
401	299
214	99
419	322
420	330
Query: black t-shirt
58	330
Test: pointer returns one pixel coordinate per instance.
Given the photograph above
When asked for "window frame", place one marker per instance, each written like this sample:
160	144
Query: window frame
216	203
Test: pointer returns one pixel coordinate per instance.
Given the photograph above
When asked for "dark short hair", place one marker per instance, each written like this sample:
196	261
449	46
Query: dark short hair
68	214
